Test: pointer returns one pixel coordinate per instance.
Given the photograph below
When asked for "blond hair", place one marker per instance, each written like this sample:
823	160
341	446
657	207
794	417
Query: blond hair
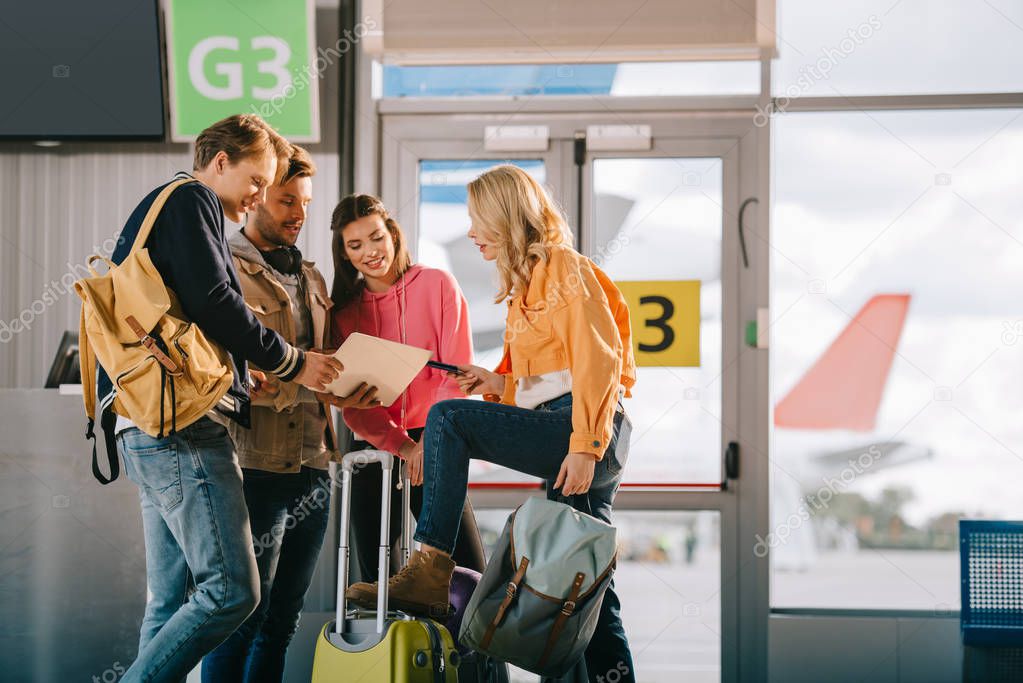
241	136
512	210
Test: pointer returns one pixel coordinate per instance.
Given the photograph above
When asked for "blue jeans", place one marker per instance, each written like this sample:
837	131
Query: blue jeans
365	520
289	514
534	442
196	524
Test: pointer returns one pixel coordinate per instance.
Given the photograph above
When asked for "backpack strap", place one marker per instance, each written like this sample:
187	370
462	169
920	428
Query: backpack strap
87	368
154	211
510	592
567	608
108	420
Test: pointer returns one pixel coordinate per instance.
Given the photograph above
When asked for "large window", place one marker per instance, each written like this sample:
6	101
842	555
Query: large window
898	47
896	350
640	78
444	243
660	219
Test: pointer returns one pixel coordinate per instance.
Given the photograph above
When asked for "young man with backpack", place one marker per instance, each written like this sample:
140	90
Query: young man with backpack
284	456
193	507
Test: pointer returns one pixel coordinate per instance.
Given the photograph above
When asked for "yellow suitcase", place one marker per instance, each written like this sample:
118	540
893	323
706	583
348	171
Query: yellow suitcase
380	645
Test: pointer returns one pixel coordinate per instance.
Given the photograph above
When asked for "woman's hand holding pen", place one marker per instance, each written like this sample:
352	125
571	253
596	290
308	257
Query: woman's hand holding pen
473	379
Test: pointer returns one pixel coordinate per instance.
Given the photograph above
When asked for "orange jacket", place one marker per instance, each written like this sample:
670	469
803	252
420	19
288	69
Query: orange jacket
573	317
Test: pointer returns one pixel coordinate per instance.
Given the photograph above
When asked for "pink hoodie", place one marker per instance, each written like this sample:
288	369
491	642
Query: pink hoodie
436	318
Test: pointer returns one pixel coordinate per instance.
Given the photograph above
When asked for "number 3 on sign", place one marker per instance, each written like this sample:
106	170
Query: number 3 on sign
665	316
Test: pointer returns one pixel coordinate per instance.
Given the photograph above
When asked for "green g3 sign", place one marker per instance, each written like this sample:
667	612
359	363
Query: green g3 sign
250	56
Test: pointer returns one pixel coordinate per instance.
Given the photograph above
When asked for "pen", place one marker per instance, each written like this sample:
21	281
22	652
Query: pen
453	369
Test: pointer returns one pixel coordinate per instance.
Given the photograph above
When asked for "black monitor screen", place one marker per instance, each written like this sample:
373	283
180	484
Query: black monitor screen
73	69
65	368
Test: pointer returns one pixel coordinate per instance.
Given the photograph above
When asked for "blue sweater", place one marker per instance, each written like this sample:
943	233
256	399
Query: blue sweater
189	248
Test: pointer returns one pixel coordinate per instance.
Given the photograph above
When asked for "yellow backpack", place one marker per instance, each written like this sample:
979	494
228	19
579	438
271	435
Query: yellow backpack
166	374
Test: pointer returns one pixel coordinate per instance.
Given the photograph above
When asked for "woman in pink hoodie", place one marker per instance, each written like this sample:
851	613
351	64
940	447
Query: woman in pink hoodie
378	291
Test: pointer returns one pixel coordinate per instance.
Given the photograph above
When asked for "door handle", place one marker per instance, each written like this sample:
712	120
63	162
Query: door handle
731	463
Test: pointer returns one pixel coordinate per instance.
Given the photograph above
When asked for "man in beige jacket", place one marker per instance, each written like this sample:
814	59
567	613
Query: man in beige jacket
284	456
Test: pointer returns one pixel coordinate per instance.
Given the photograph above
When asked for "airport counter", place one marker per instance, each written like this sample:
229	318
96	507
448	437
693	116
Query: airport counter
72	554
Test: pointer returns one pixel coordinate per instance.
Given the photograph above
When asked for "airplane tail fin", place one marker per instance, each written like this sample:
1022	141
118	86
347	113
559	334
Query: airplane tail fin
843	389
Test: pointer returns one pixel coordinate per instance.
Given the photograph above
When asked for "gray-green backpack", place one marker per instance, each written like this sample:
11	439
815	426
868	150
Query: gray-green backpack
537	604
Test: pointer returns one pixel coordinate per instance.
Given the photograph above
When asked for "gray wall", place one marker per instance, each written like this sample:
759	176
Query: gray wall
880	647
58	205
72	558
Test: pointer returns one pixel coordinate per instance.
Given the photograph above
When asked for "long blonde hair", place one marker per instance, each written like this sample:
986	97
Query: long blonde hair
509	208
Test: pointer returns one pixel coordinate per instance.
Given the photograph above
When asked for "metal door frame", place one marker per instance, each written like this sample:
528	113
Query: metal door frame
411	131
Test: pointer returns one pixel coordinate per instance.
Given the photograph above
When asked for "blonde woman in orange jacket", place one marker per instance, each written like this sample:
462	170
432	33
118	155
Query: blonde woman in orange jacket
553	406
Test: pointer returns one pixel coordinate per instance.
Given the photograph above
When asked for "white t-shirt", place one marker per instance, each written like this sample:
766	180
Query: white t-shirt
536	389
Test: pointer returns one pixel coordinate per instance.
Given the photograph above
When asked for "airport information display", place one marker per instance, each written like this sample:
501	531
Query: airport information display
257	57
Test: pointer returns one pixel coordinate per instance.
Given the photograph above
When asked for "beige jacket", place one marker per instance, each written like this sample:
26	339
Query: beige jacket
275	441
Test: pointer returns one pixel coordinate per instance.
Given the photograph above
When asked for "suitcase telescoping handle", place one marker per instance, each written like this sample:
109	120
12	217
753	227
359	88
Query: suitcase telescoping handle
406	515
348	464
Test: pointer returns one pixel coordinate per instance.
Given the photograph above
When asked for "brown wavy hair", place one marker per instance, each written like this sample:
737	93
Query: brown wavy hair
300	165
348	281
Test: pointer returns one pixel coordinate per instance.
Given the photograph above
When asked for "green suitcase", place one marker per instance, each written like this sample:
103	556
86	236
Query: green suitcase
380	645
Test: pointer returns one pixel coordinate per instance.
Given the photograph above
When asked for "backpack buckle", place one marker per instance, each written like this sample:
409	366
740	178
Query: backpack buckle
149	342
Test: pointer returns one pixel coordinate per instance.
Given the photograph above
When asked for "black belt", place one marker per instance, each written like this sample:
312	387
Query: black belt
547	404
620	408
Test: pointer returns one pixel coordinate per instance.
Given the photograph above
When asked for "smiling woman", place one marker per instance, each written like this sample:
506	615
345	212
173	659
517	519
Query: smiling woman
377	291
369	248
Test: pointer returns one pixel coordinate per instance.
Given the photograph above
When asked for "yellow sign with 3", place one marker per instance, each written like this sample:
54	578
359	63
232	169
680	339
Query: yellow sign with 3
665	316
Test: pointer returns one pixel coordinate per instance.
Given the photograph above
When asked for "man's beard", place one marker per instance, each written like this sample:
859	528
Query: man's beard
276	236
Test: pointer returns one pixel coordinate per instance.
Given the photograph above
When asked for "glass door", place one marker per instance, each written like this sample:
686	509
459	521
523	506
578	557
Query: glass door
435	216
655	222
662	222
655	226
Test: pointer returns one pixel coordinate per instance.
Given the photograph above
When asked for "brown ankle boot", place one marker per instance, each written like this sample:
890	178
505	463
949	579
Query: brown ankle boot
420	588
